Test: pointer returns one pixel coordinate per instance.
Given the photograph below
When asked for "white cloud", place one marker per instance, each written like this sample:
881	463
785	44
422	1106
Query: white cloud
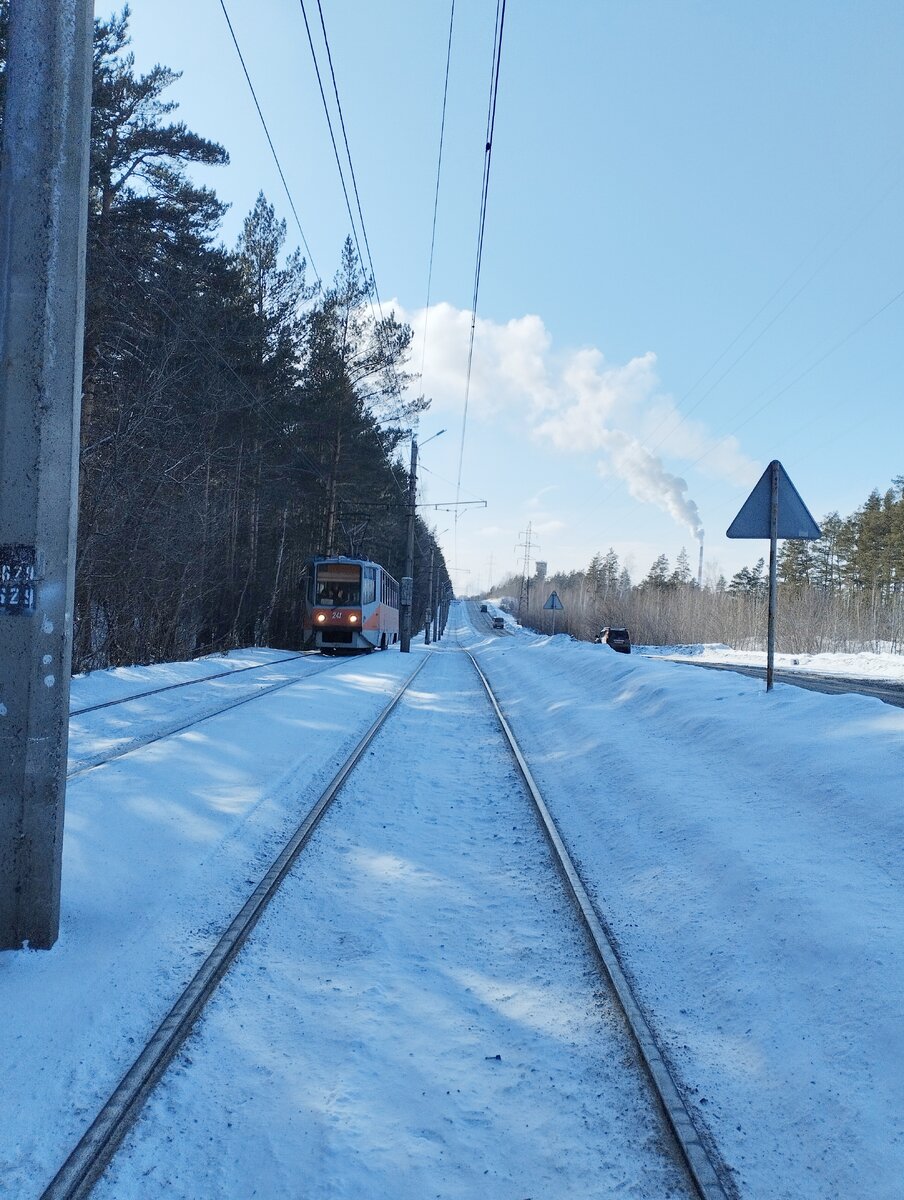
574	401
551	526
508	368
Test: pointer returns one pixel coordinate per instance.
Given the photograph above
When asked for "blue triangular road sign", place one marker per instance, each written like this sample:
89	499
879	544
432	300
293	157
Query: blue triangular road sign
554	602
754	519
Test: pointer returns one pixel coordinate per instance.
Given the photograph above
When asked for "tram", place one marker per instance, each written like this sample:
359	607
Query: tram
351	606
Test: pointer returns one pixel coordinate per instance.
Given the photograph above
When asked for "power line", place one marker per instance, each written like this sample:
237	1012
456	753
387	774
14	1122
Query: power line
832	349
282	176
488	153
348	153
439	166
846	232
329	121
836	345
372	289
765	329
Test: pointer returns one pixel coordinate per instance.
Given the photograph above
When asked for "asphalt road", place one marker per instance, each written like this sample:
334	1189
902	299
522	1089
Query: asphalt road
882	689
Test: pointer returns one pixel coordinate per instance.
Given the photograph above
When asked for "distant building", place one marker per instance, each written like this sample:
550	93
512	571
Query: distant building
541	570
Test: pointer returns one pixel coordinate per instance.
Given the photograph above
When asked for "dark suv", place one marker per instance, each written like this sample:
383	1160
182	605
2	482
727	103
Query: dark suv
618	639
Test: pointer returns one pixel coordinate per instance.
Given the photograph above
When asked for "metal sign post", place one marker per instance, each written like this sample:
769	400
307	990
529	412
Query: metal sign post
773	573
556	605
773	510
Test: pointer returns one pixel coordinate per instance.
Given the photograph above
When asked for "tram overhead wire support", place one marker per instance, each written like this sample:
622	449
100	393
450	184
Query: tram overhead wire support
407	592
406	595
43	223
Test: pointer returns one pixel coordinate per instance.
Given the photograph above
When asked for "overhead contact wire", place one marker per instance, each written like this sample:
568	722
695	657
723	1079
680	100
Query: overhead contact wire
439	167
373	290
282	176
329	121
488	154
348	154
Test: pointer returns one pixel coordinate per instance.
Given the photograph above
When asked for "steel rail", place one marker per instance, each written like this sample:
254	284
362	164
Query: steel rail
92	765
77	712
700	1163
88	1160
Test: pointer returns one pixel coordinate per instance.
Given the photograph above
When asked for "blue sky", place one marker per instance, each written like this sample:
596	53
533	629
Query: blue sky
694	220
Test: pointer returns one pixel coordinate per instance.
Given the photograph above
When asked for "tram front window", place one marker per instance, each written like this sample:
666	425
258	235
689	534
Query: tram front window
337	593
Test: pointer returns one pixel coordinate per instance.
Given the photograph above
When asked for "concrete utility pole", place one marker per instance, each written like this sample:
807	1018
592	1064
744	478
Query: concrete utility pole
407	588
43	218
429	620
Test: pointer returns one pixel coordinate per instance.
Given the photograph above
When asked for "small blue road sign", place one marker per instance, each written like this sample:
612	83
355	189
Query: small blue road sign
554	601
755	518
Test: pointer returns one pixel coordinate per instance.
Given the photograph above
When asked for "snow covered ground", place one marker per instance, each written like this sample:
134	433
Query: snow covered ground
744	849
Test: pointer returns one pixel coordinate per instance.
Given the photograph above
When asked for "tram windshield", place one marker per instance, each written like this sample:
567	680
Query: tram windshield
338	584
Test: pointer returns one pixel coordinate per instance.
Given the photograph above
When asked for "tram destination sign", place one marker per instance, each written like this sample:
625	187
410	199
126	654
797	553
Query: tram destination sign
18	579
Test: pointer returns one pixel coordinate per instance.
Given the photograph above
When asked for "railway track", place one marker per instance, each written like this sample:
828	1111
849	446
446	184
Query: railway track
89	1159
128	742
171	687
93	1152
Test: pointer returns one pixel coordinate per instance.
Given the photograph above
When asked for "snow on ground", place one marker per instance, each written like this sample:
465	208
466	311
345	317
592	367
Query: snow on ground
744	847
161	848
99	687
416	1015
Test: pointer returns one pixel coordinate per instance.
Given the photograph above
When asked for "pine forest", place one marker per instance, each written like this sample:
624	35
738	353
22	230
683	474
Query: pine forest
844	592
237	418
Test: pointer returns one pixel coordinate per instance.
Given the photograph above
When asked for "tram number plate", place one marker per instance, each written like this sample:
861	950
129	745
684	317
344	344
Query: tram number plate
17	579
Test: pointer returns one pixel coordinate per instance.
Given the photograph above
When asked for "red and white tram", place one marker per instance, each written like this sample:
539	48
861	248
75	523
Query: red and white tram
352	605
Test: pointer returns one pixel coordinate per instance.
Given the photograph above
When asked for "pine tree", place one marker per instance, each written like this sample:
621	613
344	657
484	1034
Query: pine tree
681	576
795	564
610	570
826	564
658	575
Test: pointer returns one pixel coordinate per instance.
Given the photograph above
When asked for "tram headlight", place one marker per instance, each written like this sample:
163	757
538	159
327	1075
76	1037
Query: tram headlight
352	618
321	617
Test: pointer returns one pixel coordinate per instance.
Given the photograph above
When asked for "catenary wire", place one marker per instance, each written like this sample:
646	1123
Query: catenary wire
439	167
270	143
372	289
329	121
488	152
348	154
